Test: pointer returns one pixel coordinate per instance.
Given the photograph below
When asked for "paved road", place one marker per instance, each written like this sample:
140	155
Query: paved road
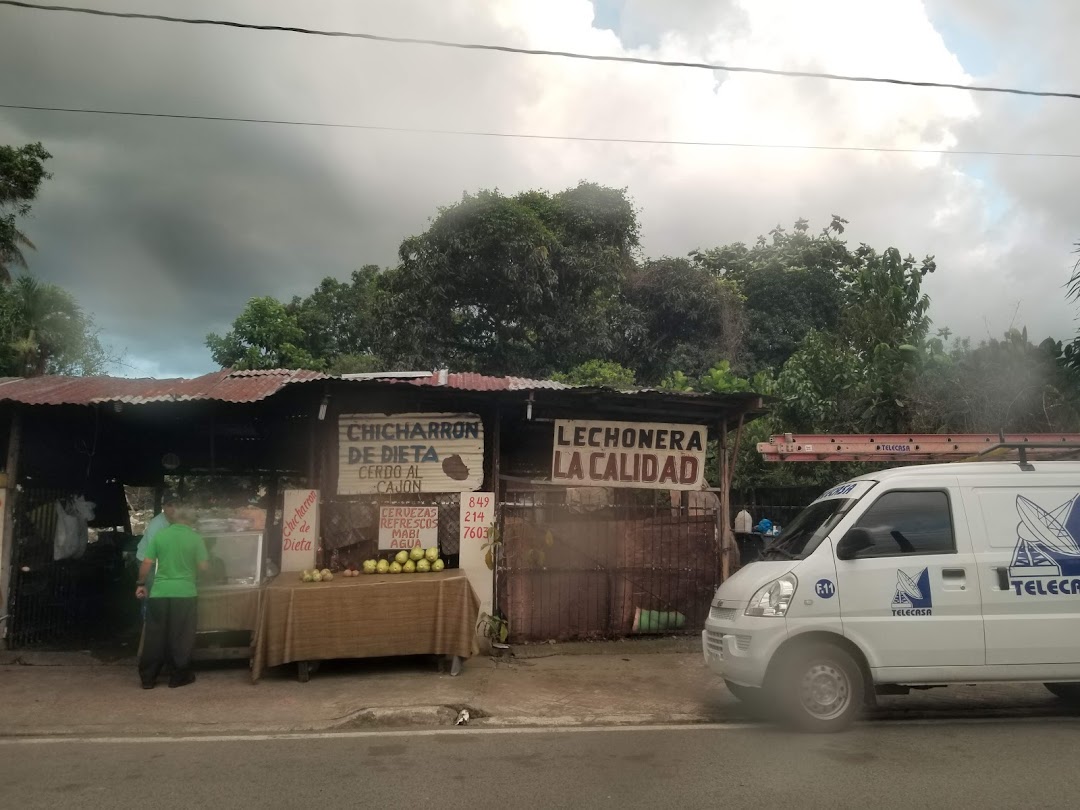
881	765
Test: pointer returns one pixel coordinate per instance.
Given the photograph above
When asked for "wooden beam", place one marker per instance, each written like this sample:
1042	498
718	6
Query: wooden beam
7	531
724	521
496	488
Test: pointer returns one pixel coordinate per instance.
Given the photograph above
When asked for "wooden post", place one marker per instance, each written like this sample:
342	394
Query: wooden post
496	488
271	529
724	520
213	444
313	477
7	531
729	549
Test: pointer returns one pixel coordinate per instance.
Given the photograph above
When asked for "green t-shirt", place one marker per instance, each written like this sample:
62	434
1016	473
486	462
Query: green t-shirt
178	550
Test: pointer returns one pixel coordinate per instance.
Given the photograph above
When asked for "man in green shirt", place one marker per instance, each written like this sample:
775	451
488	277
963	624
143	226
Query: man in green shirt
179	553
164	518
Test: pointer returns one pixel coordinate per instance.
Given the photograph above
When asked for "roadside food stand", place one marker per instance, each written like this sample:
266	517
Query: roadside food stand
394	479
542	534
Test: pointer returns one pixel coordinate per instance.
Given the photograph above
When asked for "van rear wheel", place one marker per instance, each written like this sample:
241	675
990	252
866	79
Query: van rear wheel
1069	692
820	687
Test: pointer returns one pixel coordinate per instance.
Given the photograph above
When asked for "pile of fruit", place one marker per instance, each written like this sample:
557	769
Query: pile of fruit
417	561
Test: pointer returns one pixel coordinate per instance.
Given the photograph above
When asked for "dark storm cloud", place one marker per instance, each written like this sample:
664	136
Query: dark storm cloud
164	228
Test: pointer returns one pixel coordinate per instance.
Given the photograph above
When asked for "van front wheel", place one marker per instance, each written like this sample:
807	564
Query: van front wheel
820	687
1069	692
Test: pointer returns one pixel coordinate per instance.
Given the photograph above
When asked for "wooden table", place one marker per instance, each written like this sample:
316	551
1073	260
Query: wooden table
364	617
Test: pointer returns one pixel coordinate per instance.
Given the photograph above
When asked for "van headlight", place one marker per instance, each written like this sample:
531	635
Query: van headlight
773	598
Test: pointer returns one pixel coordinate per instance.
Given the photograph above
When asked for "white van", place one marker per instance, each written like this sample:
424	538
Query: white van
912	577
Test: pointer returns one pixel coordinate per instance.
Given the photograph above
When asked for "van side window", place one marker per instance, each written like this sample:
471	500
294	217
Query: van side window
902	523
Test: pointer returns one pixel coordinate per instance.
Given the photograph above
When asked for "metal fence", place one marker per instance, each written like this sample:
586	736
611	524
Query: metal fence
631	565
779	504
57	601
350	525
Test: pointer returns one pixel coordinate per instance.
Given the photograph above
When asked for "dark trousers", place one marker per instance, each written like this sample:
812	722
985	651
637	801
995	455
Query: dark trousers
169	638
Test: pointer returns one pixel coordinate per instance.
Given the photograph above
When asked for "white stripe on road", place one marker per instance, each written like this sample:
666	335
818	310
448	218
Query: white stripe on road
339	735
477	731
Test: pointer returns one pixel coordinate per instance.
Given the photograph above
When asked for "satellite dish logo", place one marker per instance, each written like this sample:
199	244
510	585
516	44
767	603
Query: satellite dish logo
912	597
1046	560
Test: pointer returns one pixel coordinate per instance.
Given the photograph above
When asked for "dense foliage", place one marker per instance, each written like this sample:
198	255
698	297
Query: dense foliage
43	329
555	285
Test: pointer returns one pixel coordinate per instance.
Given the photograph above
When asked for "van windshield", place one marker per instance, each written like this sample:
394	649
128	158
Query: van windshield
813	524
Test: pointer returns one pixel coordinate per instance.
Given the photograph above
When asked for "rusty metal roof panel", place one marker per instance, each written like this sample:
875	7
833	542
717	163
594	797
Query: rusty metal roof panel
220	386
471	381
256	385
459	381
526	384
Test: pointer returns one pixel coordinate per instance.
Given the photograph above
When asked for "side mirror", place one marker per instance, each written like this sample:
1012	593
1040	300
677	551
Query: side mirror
852	543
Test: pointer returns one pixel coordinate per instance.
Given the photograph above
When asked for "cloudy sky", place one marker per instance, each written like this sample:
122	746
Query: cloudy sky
164	228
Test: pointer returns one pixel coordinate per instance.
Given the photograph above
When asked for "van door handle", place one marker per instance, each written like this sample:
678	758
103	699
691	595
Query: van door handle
954	577
1002	577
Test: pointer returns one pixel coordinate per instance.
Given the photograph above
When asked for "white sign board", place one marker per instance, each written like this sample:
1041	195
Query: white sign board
477	517
410	452
629	454
408	527
299	529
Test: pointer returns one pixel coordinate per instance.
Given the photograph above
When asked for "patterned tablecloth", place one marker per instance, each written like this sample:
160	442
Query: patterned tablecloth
364	617
228	609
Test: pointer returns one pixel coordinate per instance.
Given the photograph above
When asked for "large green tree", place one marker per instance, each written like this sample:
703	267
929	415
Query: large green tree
859	377
677	316
791	283
22	171
265	335
342	321
599	374
524	284
45	331
1008	385
336	328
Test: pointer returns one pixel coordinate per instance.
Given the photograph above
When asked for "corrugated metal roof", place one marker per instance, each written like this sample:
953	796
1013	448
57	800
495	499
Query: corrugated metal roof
221	386
255	385
470	381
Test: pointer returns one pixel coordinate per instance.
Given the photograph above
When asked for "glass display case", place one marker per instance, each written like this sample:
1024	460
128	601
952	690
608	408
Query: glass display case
236	560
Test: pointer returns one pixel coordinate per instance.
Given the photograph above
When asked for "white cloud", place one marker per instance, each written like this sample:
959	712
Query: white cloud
166	228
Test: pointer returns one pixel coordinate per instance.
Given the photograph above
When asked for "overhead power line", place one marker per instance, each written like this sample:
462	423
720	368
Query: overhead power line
472	46
544	137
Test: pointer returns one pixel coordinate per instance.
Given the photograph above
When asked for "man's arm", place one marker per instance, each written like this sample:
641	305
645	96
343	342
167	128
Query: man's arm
144	572
152	528
202	556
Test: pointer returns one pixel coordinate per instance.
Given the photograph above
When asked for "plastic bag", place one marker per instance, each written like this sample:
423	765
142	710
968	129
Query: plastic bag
66	540
72	528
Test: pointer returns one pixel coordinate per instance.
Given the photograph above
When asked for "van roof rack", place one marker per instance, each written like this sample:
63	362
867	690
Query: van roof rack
921	447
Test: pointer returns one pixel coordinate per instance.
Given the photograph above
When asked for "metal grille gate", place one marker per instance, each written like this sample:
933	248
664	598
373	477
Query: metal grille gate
74	600
350	526
634	565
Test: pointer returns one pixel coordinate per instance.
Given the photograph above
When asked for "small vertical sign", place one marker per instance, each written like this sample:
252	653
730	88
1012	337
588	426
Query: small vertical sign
299	529
477	517
408	527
